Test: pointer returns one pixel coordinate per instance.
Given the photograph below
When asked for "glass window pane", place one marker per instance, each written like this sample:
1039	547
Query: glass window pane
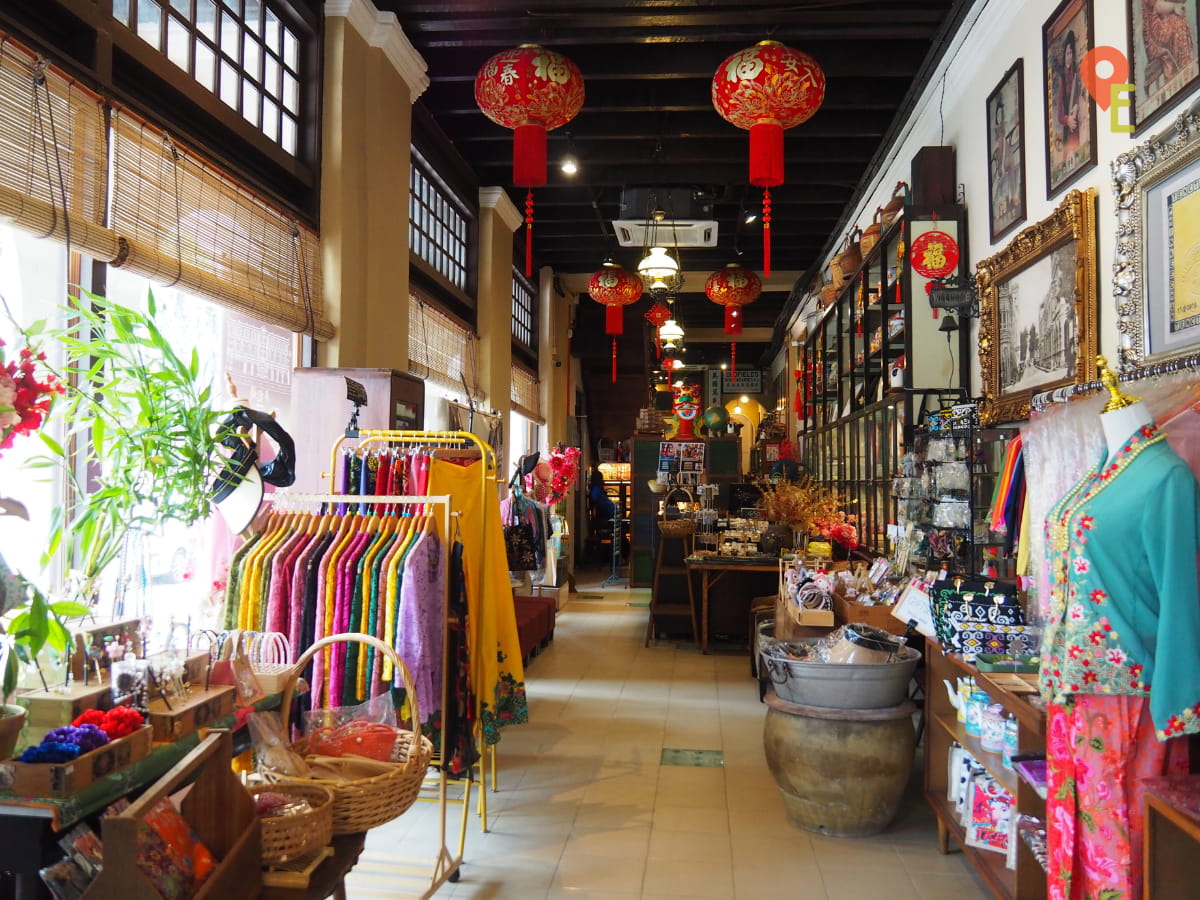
179	41
291	93
206	18
252	58
250	103
270	119
287	136
121	11
253	17
273	31
206	64
149	26
231	36
183	7
291	50
229	85
270	77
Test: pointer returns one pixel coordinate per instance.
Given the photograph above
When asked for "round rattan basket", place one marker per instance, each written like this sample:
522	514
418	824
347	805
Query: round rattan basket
366	793
285	838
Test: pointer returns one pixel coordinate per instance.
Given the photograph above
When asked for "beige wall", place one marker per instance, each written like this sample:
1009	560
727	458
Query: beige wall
364	200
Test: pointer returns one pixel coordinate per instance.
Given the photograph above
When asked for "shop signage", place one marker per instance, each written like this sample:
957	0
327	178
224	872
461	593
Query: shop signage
746	381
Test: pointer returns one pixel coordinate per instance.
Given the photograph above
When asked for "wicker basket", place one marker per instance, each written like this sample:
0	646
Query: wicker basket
677	528
870	237
847	262
366	793
285	838
888	213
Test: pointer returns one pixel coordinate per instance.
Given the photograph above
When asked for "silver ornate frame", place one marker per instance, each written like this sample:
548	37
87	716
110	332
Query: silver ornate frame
1134	173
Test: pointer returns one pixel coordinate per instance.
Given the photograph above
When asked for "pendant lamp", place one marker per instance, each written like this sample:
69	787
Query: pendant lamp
531	90
765	89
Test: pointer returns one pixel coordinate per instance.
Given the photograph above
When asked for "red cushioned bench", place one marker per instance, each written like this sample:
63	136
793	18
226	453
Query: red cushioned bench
535	624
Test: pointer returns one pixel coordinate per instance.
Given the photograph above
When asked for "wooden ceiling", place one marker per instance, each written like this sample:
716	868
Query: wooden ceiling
648	122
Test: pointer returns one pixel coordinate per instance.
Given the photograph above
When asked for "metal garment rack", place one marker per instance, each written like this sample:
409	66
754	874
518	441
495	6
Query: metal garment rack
447	440
617	536
447	864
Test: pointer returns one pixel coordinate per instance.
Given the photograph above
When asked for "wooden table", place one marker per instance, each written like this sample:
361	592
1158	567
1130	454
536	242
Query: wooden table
712	570
329	878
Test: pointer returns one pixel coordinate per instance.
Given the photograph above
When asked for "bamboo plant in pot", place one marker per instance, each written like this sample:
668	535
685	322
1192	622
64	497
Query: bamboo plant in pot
145	433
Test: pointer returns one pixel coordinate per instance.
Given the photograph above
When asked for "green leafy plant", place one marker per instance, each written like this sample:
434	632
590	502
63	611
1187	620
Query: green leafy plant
37	623
143	433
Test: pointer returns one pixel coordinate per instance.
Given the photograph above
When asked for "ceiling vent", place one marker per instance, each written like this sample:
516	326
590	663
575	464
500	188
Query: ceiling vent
682	217
668	233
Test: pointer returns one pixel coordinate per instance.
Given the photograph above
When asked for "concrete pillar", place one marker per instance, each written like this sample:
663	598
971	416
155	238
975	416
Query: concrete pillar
372	77
498	219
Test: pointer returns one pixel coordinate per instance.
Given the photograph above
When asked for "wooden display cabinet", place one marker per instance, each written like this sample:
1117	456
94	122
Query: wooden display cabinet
1028	881
874	363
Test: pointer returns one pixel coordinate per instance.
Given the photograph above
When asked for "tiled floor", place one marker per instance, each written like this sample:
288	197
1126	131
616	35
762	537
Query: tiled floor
585	809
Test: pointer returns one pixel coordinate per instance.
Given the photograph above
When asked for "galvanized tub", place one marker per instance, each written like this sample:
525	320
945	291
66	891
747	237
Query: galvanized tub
835	685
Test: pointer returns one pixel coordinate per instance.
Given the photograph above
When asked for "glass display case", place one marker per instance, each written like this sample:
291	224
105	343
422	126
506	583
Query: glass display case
874	363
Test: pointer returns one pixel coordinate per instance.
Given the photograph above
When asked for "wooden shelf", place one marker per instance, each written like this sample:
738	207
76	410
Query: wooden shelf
993	762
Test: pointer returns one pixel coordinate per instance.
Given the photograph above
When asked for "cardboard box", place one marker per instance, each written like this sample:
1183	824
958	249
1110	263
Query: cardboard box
198	710
849	611
62	706
64	779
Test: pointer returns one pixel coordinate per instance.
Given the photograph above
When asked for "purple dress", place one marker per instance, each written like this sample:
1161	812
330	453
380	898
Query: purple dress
419	621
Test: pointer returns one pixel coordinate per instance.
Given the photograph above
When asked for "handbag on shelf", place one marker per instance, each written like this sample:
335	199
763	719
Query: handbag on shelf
518	543
972	616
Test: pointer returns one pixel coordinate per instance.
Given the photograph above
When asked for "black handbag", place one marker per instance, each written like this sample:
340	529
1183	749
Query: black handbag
973	616
518	542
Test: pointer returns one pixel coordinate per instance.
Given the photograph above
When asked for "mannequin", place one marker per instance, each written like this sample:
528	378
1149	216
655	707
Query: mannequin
1119	661
1122	415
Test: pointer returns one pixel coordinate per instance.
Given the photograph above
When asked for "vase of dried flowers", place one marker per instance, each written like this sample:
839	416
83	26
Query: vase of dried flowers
797	504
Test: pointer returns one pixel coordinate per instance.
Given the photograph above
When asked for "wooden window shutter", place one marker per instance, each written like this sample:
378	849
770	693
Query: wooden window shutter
525	396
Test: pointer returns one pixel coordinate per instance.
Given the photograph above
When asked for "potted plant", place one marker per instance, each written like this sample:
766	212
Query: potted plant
144	431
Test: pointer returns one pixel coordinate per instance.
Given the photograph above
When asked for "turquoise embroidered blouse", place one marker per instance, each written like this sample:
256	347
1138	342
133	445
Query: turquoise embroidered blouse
1125	594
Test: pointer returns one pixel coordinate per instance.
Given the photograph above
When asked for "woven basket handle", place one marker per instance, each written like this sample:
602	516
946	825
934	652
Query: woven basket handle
285	708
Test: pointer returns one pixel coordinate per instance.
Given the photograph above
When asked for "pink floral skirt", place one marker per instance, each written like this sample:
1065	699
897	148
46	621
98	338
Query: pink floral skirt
1098	750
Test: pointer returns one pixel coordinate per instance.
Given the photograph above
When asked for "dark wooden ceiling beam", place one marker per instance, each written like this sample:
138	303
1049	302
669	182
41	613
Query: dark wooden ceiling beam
634	151
785	195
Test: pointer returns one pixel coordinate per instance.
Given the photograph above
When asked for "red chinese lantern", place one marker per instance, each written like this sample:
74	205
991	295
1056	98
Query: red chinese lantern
934	255
531	90
615	288
733	287
765	89
657	315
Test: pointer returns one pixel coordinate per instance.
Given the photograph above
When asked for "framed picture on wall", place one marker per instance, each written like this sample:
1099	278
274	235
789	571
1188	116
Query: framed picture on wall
1006	152
1164	57
1067	36
1037	323
1156	276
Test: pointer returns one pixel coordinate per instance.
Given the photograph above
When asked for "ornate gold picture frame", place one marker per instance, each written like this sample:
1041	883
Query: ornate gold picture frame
1156	268
1037	326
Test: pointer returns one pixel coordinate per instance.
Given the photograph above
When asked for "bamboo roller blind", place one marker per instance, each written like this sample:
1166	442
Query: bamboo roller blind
187	223
526	399
440	350
53	155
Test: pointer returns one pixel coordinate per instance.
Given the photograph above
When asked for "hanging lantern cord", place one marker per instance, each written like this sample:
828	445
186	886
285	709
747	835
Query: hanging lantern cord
733	359
614	360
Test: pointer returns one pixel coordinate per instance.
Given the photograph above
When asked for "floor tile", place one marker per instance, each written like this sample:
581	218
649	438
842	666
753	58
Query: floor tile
587	810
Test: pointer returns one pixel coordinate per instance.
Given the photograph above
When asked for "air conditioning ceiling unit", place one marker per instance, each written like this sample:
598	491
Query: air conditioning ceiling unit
678	217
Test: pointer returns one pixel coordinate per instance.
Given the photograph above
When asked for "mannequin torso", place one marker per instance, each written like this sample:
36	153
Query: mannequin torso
1119	424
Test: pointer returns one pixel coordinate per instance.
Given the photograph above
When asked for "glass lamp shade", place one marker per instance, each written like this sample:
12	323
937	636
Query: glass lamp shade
671	333
658	264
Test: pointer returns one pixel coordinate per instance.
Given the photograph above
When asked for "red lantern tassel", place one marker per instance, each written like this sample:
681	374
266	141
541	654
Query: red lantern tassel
613	323
529	234
529	155
733	318
766	232
733	359
766	154
614	361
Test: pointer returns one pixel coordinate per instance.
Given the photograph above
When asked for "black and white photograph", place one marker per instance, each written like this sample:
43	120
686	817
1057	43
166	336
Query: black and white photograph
1039	336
